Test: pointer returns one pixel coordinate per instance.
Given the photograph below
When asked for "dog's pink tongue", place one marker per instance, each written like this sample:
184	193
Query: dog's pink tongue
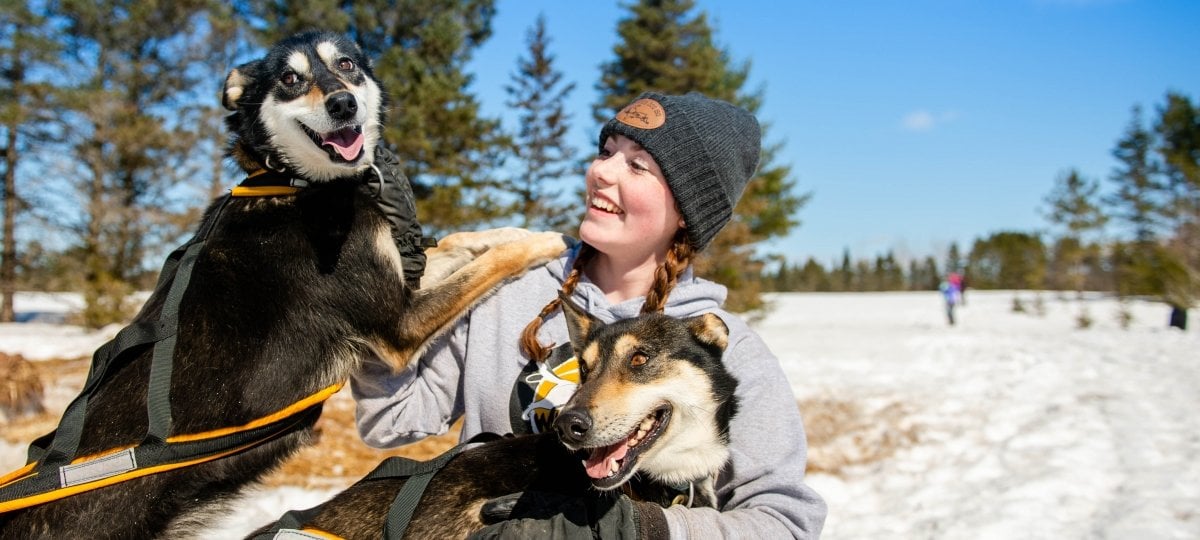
599	463
347	141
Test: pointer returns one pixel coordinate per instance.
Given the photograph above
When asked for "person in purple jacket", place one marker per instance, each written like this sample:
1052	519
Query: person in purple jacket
669	171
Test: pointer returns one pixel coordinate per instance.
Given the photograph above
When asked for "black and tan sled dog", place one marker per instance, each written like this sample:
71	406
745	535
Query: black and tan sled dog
651	418
290	281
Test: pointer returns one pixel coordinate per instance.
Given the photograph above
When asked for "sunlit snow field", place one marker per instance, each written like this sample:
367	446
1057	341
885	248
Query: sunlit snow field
1007	425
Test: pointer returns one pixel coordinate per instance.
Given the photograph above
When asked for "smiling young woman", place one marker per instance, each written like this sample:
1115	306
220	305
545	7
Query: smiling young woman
667	174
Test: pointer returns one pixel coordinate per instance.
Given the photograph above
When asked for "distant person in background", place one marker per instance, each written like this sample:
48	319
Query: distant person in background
951	294
1178	317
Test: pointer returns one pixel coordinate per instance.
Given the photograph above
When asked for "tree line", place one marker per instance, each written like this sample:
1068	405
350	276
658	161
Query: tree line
112	137
1137	234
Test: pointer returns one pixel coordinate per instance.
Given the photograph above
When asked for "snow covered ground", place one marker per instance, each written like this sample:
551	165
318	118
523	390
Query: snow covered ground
1022	425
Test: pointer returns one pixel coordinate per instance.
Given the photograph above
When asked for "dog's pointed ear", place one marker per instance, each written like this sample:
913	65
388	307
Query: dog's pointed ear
710	329
236	82
579	322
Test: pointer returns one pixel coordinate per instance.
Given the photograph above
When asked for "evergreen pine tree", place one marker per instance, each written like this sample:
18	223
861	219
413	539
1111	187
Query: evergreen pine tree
1178	128
954	259
133	61
663	47
814	277
930	274
1074	209
28	42
537	92
1136	200
1008	260
845	277
1140	201
913	279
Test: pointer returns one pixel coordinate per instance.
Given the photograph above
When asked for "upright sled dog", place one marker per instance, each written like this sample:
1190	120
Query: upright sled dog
652	414
265	314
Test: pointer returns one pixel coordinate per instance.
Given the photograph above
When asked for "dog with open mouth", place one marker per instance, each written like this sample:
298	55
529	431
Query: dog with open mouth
651	418
291	280
314	98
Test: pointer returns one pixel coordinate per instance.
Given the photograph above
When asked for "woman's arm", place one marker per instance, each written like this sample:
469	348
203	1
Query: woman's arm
399	408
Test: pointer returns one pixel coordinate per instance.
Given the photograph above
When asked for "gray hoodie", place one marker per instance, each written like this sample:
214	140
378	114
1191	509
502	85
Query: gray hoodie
471	371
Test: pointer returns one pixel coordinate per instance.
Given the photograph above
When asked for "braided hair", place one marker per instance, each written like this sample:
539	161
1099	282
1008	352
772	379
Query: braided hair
679	256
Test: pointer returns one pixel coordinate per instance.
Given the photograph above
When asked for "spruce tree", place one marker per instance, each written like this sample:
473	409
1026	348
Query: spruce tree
1136	200
538	93
813	277
930	277
1178	129
1074	210
130	64
1140	201
1008	260
29	42
450	151
954	259
664	47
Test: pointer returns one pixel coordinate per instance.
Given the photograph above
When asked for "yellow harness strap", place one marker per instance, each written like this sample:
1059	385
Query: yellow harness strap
262	191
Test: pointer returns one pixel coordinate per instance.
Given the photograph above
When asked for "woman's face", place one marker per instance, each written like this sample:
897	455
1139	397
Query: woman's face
630	210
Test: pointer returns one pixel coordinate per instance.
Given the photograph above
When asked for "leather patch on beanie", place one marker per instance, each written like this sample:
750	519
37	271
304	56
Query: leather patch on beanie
644	113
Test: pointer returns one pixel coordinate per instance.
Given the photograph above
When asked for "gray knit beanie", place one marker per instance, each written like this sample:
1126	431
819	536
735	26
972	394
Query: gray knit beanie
707	149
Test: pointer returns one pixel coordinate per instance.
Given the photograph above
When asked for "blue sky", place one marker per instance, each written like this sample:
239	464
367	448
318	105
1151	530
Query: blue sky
914	124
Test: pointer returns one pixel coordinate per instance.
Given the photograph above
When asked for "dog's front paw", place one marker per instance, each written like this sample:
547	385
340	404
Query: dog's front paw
542	247
477	242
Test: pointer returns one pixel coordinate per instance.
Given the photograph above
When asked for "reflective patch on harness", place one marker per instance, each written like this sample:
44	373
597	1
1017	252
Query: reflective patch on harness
110	465
305	534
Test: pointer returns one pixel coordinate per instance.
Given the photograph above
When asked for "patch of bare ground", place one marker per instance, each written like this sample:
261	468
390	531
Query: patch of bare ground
340	457
51	384
844	433
20	388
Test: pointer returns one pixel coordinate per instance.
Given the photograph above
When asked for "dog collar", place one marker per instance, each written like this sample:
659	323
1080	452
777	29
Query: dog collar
267	183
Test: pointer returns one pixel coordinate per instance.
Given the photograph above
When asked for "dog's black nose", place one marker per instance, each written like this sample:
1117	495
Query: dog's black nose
341	106
572	425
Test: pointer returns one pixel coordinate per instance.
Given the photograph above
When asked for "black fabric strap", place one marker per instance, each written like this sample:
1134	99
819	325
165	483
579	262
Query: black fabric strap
419	474
158	397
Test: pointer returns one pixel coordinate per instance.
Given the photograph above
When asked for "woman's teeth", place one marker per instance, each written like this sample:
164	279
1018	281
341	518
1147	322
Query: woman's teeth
605	206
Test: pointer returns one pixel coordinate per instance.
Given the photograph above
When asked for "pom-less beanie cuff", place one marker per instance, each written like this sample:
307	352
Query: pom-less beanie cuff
707	149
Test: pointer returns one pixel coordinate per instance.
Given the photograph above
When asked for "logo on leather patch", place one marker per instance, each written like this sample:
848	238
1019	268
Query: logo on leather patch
644	113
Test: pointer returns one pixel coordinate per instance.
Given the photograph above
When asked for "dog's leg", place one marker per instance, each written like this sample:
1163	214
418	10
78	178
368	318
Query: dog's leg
435	308
456	250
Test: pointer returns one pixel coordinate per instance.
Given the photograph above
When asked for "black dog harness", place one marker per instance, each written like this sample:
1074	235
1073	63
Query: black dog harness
291	526
55	470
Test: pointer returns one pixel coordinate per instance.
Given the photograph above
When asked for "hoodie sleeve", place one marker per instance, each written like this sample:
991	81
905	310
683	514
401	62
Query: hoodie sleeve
761	492
399	408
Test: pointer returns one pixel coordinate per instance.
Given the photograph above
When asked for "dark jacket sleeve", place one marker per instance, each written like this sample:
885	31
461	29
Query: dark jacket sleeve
386	183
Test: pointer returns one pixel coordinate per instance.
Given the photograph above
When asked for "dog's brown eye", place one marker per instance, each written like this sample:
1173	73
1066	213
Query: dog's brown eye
345	64
637	359
289	79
